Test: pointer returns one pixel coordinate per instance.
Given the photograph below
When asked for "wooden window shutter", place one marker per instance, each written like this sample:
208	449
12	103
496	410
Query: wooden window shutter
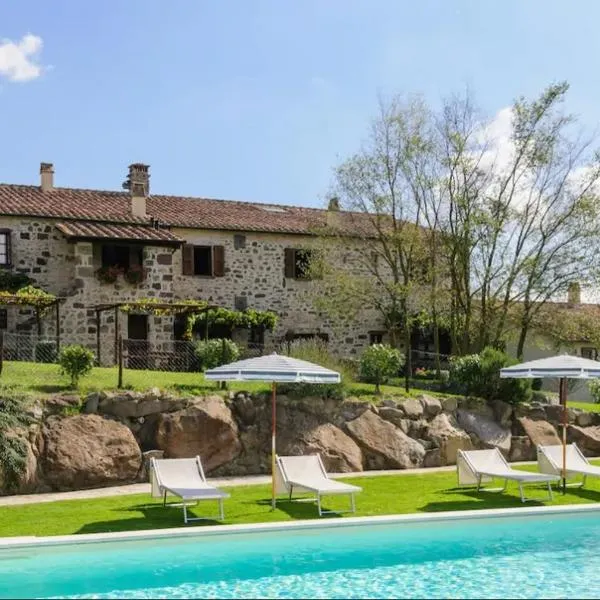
290	263
188	259
218	261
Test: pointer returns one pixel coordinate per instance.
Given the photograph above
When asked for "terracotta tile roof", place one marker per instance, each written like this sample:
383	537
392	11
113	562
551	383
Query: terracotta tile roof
199	213
116	231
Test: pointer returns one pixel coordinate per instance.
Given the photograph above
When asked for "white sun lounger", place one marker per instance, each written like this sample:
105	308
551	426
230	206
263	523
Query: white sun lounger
307	474
550	460
184	477
475	467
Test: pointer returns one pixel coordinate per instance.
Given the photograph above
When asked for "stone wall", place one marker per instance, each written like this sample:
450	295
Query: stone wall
254	271
110	441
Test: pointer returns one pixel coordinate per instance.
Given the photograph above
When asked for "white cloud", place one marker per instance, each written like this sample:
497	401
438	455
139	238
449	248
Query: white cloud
19	60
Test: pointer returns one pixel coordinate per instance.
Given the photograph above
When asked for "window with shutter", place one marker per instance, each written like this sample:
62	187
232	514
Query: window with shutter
290	263
218	261
187	259
5	258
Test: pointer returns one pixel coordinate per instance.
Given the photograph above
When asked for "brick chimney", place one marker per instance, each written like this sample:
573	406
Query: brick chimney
47	177
574	294
138	184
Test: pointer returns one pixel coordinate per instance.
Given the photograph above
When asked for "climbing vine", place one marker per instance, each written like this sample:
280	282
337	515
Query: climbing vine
233	319
199	311
28	296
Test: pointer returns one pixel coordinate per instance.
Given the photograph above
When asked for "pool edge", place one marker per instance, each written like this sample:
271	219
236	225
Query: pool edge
218	530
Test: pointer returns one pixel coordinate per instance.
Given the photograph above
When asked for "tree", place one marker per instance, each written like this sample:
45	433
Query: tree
383	187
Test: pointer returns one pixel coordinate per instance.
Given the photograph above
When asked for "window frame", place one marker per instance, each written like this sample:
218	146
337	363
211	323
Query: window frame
6	234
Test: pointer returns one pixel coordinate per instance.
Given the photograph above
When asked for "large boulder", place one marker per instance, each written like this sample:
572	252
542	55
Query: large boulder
27	479
206	428
431	406
412	408
485	429
539	432
587	438
339	452
521	449
444	433
385	445
86	451
393	415
134	406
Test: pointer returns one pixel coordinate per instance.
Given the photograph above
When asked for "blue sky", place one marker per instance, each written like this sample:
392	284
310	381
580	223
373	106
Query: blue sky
259	100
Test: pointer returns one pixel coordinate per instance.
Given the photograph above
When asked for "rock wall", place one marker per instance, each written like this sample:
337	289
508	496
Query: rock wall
108	439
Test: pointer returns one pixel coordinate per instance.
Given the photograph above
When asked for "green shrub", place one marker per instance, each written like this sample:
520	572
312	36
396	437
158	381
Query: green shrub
76	361
316	351
479	375
594	385
217	352
13	449
378	363
45	352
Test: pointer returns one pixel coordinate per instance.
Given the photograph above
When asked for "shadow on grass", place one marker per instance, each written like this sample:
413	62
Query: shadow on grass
51	389
480	500
301	509
153	516
586	494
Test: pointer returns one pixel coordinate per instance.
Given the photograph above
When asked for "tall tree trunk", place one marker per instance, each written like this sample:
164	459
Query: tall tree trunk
408	351
436	346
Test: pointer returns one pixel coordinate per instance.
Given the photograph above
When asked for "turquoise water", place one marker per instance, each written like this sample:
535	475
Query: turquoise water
552	556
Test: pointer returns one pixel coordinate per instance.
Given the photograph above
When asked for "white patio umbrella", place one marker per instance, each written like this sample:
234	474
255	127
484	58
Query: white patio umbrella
562	367
276	369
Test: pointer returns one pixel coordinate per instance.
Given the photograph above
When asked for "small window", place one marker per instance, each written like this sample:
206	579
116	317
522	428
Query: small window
589	352
5	259
203	260
298	263
375	337
124	257
3	318
239	241
241	302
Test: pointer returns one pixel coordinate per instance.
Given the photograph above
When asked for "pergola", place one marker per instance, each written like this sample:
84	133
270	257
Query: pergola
39	303
144	306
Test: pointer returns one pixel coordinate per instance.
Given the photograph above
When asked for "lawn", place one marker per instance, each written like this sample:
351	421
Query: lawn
382	495
43	378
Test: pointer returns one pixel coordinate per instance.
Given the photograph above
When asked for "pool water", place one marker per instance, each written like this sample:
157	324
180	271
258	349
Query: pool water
528	556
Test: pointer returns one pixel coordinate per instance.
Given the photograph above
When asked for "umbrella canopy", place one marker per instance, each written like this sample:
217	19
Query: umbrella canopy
273	367
562	367
276	369
571	367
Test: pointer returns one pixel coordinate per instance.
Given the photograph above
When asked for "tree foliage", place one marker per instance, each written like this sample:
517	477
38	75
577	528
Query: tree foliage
378	363
76	361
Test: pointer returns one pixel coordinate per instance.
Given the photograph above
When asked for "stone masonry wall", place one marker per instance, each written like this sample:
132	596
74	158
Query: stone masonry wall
255	271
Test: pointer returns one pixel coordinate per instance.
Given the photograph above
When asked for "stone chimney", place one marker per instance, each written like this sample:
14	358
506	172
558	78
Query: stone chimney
574	294
333	213
138	184
47	177
334	203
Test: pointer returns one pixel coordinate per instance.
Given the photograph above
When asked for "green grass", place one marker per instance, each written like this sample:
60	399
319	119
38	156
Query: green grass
402	494
589	406
42	378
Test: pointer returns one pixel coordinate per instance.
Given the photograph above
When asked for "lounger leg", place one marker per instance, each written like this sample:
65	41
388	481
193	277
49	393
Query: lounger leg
549	492
505	485
584	479
185	518
165	498
352	503
521	492
478	482
319	504
291	491
221	510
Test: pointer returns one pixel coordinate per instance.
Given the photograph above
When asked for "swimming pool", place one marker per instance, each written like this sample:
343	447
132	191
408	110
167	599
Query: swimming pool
517	553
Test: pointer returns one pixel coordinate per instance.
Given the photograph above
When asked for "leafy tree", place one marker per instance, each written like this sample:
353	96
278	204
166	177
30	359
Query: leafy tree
378	363
216	352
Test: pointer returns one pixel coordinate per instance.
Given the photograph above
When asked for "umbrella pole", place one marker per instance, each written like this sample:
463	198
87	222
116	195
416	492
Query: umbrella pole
563	401
273	438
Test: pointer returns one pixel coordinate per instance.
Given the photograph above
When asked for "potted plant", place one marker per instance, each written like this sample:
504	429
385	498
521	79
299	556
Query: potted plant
135	274
108	274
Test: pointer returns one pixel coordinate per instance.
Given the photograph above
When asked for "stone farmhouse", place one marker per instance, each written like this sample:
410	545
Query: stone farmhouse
233	254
